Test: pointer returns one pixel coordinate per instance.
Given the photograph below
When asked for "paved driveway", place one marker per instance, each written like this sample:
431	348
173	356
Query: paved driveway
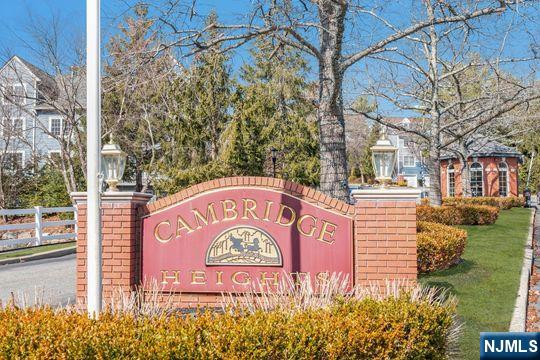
51	281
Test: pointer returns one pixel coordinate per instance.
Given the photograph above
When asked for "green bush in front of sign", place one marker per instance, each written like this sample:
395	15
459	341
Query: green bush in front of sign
403	327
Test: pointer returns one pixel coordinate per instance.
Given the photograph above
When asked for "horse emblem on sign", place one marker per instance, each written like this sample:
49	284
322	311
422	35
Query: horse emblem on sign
244	245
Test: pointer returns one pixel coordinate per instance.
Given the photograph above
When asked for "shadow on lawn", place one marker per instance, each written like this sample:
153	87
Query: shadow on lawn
436	279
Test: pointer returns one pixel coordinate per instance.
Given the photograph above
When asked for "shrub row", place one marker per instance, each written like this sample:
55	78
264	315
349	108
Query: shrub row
458	214
500	202
438	246
404	327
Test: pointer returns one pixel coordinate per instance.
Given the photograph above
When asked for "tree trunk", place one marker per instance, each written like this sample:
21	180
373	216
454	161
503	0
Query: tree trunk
71	173
465	171
2	195
333	157
465	179
65	174
80	143
435	193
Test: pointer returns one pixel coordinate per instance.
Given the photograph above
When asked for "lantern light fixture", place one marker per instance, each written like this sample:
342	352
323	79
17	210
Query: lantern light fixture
113	164
383	158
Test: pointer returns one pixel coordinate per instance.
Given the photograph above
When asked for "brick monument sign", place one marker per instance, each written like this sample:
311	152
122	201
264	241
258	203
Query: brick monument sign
227	234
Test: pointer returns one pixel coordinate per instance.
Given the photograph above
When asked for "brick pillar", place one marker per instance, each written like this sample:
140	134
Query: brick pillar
120	217
385	235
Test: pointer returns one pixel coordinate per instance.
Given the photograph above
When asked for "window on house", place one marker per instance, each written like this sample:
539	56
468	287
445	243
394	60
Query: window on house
451	181
503	179
12	128
477	180
14	94
55	126
18	126
13	161
408	161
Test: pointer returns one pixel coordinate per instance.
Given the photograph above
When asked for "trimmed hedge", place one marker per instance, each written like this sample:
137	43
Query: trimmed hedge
458	214
504	203
404	327
438	246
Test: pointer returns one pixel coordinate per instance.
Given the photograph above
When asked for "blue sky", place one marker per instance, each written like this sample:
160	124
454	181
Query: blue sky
14	17
17	15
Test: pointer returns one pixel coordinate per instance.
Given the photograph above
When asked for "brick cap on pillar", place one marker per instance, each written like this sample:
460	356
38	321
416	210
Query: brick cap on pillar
114	197
386	194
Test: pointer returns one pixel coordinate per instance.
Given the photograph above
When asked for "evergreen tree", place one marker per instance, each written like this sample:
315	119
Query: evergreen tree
200	102
272	110
245	153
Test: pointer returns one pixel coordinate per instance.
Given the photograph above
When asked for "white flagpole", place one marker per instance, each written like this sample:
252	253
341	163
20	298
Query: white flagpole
93	147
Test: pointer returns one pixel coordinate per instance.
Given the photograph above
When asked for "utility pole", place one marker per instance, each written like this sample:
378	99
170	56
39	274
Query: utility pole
93	146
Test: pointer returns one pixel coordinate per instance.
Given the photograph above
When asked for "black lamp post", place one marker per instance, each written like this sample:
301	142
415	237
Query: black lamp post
273	150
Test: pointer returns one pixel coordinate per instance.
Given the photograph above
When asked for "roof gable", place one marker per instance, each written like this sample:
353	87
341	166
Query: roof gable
17	59
481	146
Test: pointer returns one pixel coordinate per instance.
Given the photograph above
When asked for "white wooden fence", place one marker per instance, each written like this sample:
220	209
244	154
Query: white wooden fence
38	226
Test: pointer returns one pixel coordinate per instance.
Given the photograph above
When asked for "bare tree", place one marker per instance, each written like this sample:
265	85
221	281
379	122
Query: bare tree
455	92
13	141
136	87
58	88
357	138
481	105
337	34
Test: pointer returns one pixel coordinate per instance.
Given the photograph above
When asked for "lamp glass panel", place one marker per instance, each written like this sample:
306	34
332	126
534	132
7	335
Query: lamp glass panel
384	163
109	167
113	166
121	166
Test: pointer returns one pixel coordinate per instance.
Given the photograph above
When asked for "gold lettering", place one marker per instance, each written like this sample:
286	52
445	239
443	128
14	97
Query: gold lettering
274	278
210	212
156	232
228	210
198	277
325	231
165	277
245	275
311	229
219	275
267	210
182	224
280	215
250	209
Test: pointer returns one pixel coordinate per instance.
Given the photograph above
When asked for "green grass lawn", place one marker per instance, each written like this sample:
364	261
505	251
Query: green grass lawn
35	250
487	280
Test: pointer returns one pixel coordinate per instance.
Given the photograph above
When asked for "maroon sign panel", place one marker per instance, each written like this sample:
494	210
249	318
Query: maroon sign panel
225	240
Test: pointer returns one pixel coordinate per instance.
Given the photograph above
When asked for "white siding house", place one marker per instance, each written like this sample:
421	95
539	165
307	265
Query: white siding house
27	127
